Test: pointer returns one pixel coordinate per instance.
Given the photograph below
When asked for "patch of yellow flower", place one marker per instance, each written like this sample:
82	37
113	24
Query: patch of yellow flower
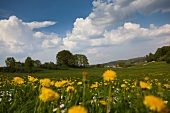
52	83
60	83
95	85
77	109
79	83
154	103
167	85
144	85
109	75
102	102
70	89
48	95
123	85
146	78
32	79
18	80
46	82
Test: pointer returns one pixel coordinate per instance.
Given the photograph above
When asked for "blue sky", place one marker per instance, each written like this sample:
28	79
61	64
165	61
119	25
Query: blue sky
103	30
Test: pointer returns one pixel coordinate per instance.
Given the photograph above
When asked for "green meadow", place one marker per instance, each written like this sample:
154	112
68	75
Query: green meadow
125	94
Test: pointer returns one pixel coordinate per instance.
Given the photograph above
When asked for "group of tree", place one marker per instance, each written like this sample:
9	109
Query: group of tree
66	59
162	54
13	66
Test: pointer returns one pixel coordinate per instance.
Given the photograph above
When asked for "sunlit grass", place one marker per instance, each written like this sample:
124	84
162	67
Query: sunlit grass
128	92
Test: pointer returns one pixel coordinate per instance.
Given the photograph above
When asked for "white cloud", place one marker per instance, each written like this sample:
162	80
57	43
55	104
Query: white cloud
99	28
15	35
49	40
34	25
125	41
109	12
18	38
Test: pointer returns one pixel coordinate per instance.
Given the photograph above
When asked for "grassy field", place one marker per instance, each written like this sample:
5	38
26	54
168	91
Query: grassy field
127	93
155	68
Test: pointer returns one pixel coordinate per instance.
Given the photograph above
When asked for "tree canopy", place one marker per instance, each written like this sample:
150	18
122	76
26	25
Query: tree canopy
161	54
10	62
66	58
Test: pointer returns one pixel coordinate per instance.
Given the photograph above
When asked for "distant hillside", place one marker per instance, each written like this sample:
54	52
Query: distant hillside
125	63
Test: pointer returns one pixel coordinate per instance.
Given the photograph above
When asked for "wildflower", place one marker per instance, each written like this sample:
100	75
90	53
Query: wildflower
32	79
18	80
84	74
77	109
103	102
94	85
45	82
70	83
52	83
70	89
144	85
154	103
79	83
59	84
159	84
146	78
123	85
109	75
167	85
48	95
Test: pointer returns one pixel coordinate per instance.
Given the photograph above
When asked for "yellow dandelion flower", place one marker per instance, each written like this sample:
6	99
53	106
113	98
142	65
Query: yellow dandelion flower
32	79
146	78
154	103
159	84
46	82
144	85
167	85
94	85
103	102
59	84
18	80
70	89
109	75
123	85
48	95
79	83
70	83
52	83
77	109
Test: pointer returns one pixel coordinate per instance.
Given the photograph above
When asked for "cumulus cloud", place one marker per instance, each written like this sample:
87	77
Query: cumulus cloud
99	29
15	35
49	40
34	25
111	12
18	37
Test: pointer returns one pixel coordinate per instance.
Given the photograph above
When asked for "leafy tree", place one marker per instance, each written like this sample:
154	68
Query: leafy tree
64	57
28	64
161	54
10	62
99	65
149	57
80	60
37	63
19	64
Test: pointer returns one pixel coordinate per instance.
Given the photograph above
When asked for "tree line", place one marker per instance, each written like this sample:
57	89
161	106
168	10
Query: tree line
64	60
161	54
